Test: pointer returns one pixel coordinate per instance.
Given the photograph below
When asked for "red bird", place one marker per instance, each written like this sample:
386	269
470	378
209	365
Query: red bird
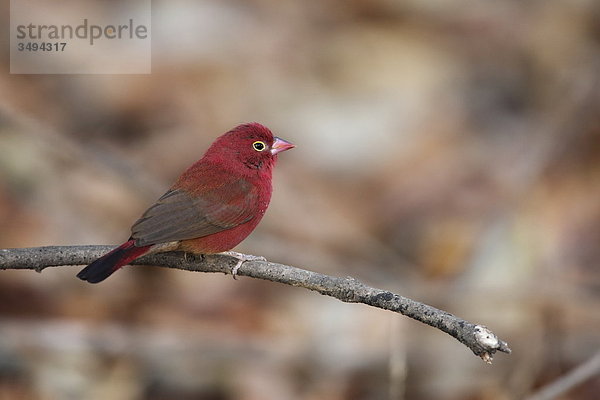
212	206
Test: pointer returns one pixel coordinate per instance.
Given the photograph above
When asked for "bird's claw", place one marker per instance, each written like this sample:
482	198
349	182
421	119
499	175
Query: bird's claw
242	258
192	256
235	269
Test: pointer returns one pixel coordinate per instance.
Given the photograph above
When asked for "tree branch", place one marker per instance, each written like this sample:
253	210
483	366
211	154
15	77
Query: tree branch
478	338
568	381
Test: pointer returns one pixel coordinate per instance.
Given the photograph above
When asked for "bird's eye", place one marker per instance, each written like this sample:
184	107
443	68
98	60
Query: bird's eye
259	146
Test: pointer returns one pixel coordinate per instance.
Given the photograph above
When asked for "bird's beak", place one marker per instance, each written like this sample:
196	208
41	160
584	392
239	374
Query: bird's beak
280	145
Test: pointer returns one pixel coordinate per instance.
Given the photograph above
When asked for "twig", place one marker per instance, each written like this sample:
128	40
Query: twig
478	338
568	381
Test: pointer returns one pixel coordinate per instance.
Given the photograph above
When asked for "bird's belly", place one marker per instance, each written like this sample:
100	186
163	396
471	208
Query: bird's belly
221	241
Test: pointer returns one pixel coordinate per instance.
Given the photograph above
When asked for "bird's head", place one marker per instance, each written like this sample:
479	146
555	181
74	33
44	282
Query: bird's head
252	145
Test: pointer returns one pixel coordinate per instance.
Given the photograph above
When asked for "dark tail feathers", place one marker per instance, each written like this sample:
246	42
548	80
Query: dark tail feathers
103	267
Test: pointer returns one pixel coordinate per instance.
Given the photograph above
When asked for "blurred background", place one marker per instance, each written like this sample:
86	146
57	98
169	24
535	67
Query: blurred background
446	151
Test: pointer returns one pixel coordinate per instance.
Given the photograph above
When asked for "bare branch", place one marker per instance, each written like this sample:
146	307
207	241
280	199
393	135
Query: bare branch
583	372
478	338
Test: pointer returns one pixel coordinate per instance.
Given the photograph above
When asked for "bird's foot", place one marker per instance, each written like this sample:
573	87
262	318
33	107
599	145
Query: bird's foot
242	258
187	256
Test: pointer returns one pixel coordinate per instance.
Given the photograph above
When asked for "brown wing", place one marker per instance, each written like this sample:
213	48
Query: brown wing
179	215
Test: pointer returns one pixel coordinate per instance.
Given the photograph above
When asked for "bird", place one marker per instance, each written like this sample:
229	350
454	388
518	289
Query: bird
213	205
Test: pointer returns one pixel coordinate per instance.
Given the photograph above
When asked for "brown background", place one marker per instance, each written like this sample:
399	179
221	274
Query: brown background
447	151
